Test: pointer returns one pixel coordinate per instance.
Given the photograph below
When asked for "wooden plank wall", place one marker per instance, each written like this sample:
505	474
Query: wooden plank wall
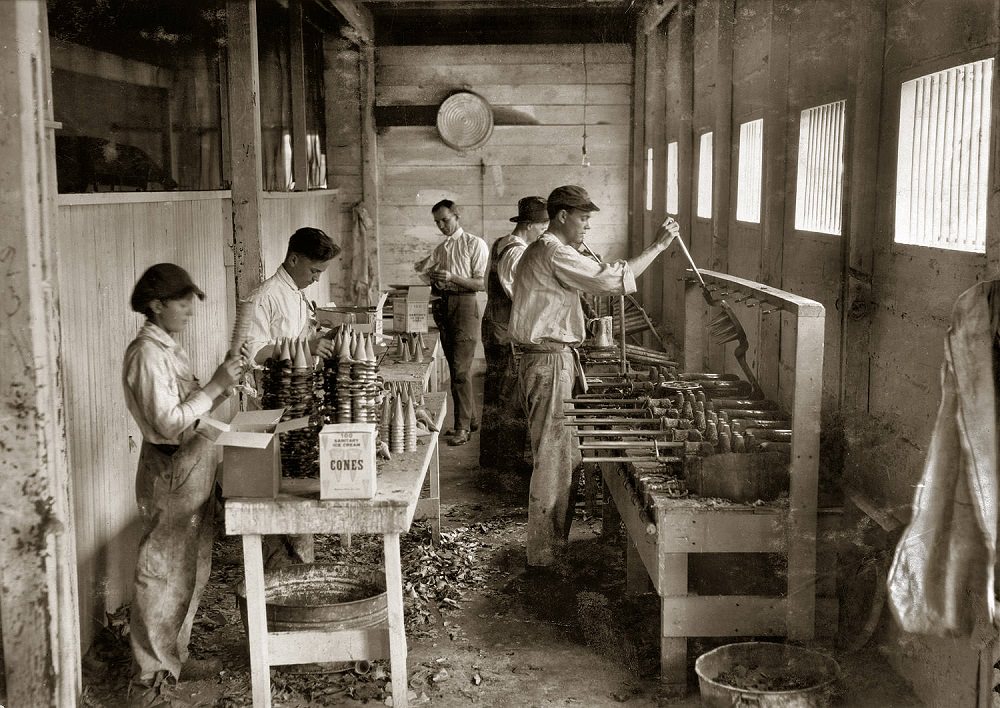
562	114
103	247
284	212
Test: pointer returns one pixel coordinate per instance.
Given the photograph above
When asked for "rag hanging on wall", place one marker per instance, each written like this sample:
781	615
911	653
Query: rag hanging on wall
465	121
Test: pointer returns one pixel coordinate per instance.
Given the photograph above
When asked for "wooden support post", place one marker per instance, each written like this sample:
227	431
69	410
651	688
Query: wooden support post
993	198
775	168
297	69
722	140
637	196
806	401
369	170
673	650
38	596
656	114
244	132
867	48
686	169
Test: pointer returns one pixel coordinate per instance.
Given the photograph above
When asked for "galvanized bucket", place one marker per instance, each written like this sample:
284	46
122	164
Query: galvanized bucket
810	676
321	596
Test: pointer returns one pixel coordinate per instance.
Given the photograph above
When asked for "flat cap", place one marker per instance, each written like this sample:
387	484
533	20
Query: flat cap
571	196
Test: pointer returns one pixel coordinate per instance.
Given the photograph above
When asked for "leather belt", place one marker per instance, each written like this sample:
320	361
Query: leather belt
543	348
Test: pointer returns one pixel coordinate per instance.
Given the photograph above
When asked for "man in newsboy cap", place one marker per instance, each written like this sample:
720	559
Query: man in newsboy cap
547	324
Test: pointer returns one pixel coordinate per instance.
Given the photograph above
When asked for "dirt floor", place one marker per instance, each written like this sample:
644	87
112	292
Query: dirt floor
481	631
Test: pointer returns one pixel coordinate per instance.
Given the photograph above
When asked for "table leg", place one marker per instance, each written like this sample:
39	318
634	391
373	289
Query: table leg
673	650
434	470
260	670
397	628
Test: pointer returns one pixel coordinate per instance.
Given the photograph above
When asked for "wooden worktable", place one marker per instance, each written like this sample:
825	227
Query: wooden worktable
298	510
430	375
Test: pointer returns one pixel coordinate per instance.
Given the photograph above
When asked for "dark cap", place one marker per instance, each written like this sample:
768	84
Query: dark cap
571	196
530	210
163	281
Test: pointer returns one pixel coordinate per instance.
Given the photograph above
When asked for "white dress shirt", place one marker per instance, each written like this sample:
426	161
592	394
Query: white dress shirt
161	391
281	311
507	264
462	254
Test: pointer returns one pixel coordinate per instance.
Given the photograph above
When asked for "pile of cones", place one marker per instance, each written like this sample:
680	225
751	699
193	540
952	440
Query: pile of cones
290	382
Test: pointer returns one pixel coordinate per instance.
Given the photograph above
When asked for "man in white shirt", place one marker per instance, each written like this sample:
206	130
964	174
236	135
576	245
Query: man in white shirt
281	307
503	434
456	268
281	310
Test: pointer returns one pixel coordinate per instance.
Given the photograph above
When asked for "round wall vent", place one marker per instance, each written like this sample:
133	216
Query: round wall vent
465	121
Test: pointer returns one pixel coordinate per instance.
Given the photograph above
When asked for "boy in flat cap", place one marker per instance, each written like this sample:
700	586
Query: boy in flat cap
547	323
503	433
174	479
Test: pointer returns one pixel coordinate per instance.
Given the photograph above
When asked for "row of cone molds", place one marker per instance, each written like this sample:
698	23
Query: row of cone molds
351	345
295	350
402	425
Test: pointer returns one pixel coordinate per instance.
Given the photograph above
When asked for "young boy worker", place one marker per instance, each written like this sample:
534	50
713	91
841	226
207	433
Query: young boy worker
174	480
281	310
547	323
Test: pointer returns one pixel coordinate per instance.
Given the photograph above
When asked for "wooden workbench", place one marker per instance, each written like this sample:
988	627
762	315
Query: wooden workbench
298	510
430	375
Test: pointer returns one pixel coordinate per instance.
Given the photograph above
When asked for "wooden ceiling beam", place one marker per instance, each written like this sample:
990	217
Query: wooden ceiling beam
380	6
357	15
655	12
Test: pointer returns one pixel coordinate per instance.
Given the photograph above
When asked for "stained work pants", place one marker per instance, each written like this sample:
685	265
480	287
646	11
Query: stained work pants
504	432
457	318
546	380
174	495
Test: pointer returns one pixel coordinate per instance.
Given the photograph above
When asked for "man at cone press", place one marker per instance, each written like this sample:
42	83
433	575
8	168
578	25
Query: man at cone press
503	434
281	310
547	324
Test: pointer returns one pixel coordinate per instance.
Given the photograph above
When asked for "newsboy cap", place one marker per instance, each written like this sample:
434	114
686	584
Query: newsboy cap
163	281
571	196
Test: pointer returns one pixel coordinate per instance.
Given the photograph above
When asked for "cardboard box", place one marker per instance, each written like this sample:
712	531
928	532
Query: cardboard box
251	454
347	461
364	318
410	313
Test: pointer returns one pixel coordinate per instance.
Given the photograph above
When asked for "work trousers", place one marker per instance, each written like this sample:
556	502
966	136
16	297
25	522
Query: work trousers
546	380
457	318
174	495
503	432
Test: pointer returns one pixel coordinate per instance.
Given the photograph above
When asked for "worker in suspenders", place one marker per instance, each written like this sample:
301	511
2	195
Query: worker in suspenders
503	434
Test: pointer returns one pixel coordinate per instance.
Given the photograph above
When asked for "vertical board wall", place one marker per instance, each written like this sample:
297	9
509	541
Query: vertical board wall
103	247
562	116
281	213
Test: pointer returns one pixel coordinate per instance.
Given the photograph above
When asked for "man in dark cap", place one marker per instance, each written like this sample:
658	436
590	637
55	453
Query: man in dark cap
503	433
547	324
174	480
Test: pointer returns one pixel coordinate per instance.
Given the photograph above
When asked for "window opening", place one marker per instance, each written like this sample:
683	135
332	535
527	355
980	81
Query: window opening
748	183
819	183
704	210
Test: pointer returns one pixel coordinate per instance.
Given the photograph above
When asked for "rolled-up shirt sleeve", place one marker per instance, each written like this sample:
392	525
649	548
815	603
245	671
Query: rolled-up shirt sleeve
479	258
576	271
155	393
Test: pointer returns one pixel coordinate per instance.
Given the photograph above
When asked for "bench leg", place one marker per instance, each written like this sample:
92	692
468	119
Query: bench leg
435	473
260	669
673	650
397	629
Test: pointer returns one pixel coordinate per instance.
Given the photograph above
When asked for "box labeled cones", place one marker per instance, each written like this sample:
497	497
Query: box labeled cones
347	461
